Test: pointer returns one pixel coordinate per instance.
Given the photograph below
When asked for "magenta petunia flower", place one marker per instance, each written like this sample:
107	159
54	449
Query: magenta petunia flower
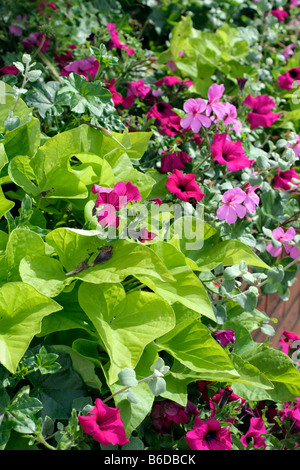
171	80
115	42
195	107
135	89
184	186
287	342
279	14
255	431
232	207
104	424
291	411
142	235
209	435
287	79
9	70
116	97
261	114
110	200
174	161
225	337
167	121
229	153
283	237
35	40
252	199
15	30
284	179
87	66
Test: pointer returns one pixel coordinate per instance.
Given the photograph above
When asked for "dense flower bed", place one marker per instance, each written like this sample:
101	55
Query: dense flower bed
149	159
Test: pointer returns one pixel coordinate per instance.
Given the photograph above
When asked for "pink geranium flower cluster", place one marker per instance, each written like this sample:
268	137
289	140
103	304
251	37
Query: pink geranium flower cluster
237	203
201	113
283	237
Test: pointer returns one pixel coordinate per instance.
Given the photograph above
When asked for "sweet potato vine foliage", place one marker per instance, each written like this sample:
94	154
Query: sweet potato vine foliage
149	199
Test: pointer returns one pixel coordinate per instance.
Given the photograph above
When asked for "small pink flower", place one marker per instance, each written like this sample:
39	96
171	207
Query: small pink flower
284	179
230	117
295	147
170	81
35	39
232	207
252	199
135	89
116	97
114	41
255	431
279	14
184	186
167	121
142	235
104	424
87	66
214	94
229	153
261	114
287	79
209	435
195	119
283	237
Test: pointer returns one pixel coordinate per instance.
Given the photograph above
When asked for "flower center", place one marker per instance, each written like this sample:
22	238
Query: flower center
293	73
210	436
181	187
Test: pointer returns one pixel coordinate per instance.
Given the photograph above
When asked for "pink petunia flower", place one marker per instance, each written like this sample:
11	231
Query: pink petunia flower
116	97
283	237
229	153
15	30
110	200
174	161
252	199
135	89
167	121
184	186
225	337
104	424
284	179
171	80
261	114
255	431
115	42
232	207
195	107
35	40
287	342
287	79
209	435
87	66
279	14
142	235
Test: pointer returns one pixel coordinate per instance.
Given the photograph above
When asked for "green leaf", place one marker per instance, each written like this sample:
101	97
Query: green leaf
187	289
125	324
228	253
191	343
127	377
22	309
5	204
157	386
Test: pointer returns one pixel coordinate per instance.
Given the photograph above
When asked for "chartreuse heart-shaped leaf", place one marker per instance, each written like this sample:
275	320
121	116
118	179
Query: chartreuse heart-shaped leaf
191	343
187	289
22	309
125	323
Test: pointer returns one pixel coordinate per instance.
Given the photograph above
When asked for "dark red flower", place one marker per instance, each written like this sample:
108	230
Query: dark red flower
174	161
